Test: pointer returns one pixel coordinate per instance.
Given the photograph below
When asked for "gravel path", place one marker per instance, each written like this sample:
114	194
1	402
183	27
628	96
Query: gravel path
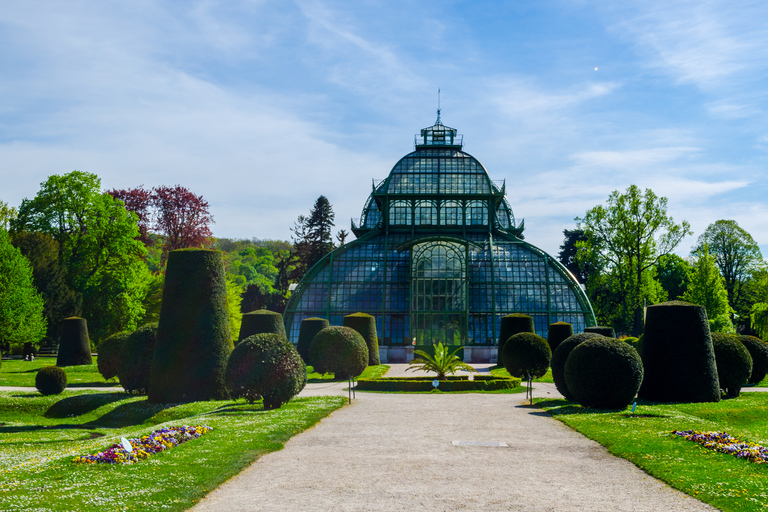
393	452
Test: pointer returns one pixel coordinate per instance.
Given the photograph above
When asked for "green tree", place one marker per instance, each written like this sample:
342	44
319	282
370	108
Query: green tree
312	236
569	251
7	214
626	238
674	274
736	253
21	306
98	246
707	288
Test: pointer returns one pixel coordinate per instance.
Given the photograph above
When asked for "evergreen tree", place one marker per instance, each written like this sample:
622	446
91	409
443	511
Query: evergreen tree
569	251
312	236
707	288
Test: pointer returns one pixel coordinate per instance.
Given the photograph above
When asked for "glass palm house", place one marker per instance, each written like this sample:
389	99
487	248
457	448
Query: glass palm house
438	257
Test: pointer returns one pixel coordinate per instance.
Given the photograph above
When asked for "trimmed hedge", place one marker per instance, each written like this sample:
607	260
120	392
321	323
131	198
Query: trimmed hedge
74	347
557	333
678	357
136	356
339	350
50	380
758	349
526	353
604	373
602	330
265	365
457	383
193	336
510	325
559	358
734	364
365	324
109	354
261	321
309	328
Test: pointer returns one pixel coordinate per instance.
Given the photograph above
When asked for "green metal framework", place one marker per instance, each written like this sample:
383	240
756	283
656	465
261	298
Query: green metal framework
439	257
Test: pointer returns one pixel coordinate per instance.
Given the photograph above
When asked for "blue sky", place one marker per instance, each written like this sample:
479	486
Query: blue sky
261	106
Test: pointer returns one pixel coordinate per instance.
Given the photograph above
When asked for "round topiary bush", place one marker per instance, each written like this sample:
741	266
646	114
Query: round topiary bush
108	359
365	324
560	356
50	380
511	325
557	333
136	355
339	350
758	349
526	353
265	365
678	358
193	336
602	330
604	373
261	321
734	364
309	328
74	348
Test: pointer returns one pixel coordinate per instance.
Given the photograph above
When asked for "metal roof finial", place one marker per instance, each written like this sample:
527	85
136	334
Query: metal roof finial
438	108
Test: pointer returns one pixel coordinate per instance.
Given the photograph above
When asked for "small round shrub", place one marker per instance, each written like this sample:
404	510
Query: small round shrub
758	349
108	359
309	328
557	333
265	365
339	350
75	347
365	324
261	321
136	356
511	325
50	380
526	353
734	364
602	330
604	373
560	356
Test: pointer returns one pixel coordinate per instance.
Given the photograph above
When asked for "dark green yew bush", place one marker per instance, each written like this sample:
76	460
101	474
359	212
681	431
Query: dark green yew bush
604	373
526	353
109	354
560	356
758	349
365	324
50	380
75	347
557	333
261	321
339	350
265	365
511	325
602	330
309	328
734	364
136	356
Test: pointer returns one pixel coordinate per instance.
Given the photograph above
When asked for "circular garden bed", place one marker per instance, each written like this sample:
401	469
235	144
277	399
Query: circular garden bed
457	383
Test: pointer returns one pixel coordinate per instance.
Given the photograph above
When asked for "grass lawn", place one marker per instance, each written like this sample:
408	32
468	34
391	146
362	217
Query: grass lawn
719	479
371	372
40	435
500	371
17	372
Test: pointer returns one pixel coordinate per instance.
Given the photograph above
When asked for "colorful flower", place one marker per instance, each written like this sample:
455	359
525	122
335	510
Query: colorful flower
726	443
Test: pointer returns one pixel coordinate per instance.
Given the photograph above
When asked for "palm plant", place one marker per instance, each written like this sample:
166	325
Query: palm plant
444	361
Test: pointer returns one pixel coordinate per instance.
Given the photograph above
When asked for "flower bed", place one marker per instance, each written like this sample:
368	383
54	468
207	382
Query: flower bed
726	443
144	447
457	383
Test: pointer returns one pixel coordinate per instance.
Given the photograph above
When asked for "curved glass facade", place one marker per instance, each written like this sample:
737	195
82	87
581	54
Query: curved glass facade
439	257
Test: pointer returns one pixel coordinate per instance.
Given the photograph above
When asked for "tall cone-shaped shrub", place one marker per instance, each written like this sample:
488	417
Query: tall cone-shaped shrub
511	325
365	324
193	336
678	357
74	347
557	333
261	321
309	328
602	330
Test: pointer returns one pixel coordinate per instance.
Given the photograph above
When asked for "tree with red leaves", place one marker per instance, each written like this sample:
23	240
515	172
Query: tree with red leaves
139	201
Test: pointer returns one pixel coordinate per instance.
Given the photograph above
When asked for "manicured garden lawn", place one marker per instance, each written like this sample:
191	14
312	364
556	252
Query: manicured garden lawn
500	371
17	372
645	439
39	436
371	372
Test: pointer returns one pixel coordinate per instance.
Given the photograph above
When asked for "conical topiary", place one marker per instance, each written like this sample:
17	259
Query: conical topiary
602	330
511	325
678	357
309	328
365	324
261	321
74	347
557	333
193	336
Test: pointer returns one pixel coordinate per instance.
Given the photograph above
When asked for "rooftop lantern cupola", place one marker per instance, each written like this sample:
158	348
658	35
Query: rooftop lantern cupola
438	135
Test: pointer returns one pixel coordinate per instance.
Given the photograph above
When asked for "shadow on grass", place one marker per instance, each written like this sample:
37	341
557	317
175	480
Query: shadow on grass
97	384
81	404
235	409
130	414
